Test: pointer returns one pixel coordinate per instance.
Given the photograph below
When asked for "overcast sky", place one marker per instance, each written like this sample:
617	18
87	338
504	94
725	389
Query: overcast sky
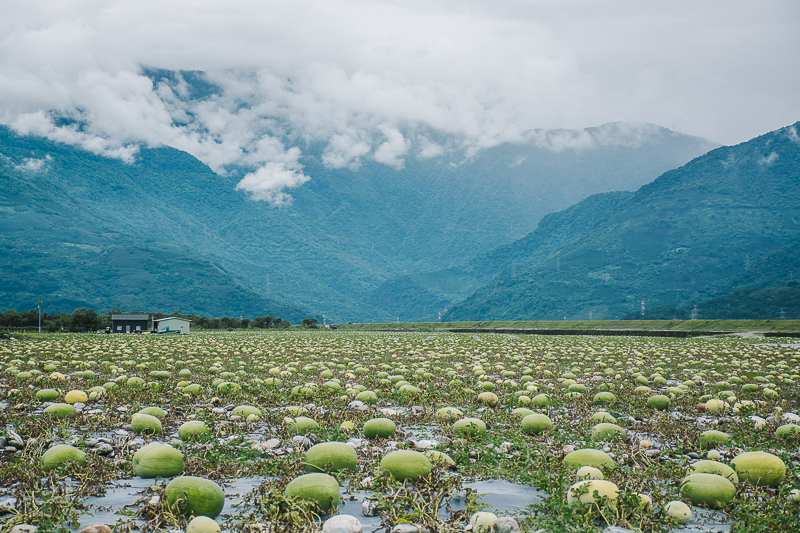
369	77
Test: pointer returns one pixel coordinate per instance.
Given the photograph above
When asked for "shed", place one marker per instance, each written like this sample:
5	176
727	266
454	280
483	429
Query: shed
172	323
129	323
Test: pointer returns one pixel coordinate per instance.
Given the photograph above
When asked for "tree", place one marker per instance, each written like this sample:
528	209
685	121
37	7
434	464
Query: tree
309	322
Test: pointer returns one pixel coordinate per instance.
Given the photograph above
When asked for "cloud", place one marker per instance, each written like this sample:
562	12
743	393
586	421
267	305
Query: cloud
369	79
768	160
345	151
391	151
267	183
428	148
33	165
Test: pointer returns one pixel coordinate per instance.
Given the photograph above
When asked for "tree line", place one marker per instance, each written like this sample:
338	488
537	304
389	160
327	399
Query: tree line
89	320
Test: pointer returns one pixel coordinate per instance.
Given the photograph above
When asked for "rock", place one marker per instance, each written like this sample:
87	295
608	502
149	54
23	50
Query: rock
192	429
370	507
14	439
711	490
379	427
469	427
198	496
342	523
406	465
62	453
23	528
536	423
405	528
506	524
100	528
617	529
759	468
103	448
331	456
358	405
588	457
271	444
157	460
321	488
202	524
601	487
678	511
714	467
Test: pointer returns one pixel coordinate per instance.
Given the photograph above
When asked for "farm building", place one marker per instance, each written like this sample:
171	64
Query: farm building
129	323
172	323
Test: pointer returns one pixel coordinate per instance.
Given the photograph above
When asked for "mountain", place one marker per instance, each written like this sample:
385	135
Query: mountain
346	232
55	246
421	296
691	235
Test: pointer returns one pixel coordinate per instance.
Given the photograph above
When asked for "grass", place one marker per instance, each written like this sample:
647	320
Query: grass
789	326
449	369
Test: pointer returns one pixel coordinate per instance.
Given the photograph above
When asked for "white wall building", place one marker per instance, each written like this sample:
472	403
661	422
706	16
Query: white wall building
172	323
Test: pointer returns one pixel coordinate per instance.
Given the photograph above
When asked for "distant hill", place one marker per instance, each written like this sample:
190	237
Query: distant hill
764	294
727	220
346	233
55	247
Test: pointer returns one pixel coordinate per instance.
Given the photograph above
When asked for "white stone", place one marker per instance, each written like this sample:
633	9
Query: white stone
370	507
357	405
506	524
405	528
342	523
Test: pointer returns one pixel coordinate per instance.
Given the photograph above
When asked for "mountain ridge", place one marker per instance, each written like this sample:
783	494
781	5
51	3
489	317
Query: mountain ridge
345	233
682	238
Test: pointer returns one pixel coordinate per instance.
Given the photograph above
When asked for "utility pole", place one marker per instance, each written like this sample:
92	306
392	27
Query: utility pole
40	314
440	316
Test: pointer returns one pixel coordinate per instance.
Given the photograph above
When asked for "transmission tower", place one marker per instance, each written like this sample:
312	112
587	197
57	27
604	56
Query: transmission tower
642	312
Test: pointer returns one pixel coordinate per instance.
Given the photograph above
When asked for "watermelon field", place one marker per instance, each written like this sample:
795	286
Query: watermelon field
390	431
